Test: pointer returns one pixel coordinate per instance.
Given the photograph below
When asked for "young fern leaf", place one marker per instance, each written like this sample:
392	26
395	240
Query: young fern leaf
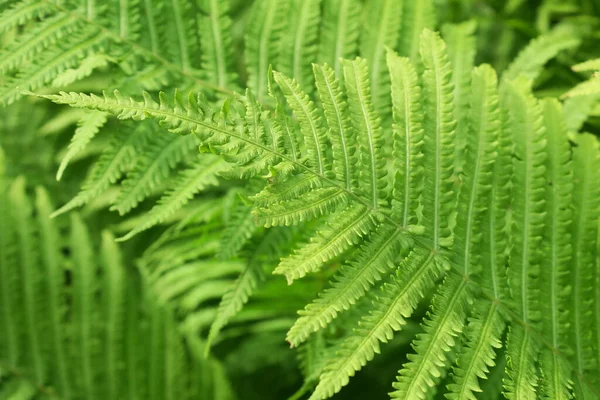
214	27
396	302
263	42
586	162
539	51
416	16
87	128
343	232
340	30
438	149
352	282
299	42
160	155
382	29
109	168
408	139
340	134
369	136
202	173
556	243
442	327
527	130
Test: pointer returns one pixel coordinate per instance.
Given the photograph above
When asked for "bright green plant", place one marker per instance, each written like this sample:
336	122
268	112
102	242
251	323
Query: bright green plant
420	203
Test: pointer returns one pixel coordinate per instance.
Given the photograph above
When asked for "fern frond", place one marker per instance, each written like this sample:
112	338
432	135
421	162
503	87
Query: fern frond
480	154
27	46
341	133
202	173
392	306
416	16
589	65
252	275
527	130
461	53
484	335
576	110
408	139
54	276
352	282
87	128
369	135
531	59
51	64
114	311
22	12
438	149
591	87
240	226
85	307
521	356
340	234
310	121
557	243
340	31
161	154
586	159
383	20
299	41
109	168
263	41
26	255
316	203
446	321
214	27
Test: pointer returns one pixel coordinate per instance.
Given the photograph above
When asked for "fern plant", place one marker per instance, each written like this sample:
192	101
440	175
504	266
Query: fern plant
407	193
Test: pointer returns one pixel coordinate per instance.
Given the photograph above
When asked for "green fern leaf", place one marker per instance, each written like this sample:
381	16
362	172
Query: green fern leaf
383	21
161	155
438	149
392	306
352	282
87	128
539	51
442	328
309	119
338	236
341	133
339	32
527	229
416	16
201	174
369	135
408	139
299	41
263	41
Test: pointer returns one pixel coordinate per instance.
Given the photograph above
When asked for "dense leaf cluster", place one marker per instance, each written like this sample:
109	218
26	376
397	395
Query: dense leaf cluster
424	196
